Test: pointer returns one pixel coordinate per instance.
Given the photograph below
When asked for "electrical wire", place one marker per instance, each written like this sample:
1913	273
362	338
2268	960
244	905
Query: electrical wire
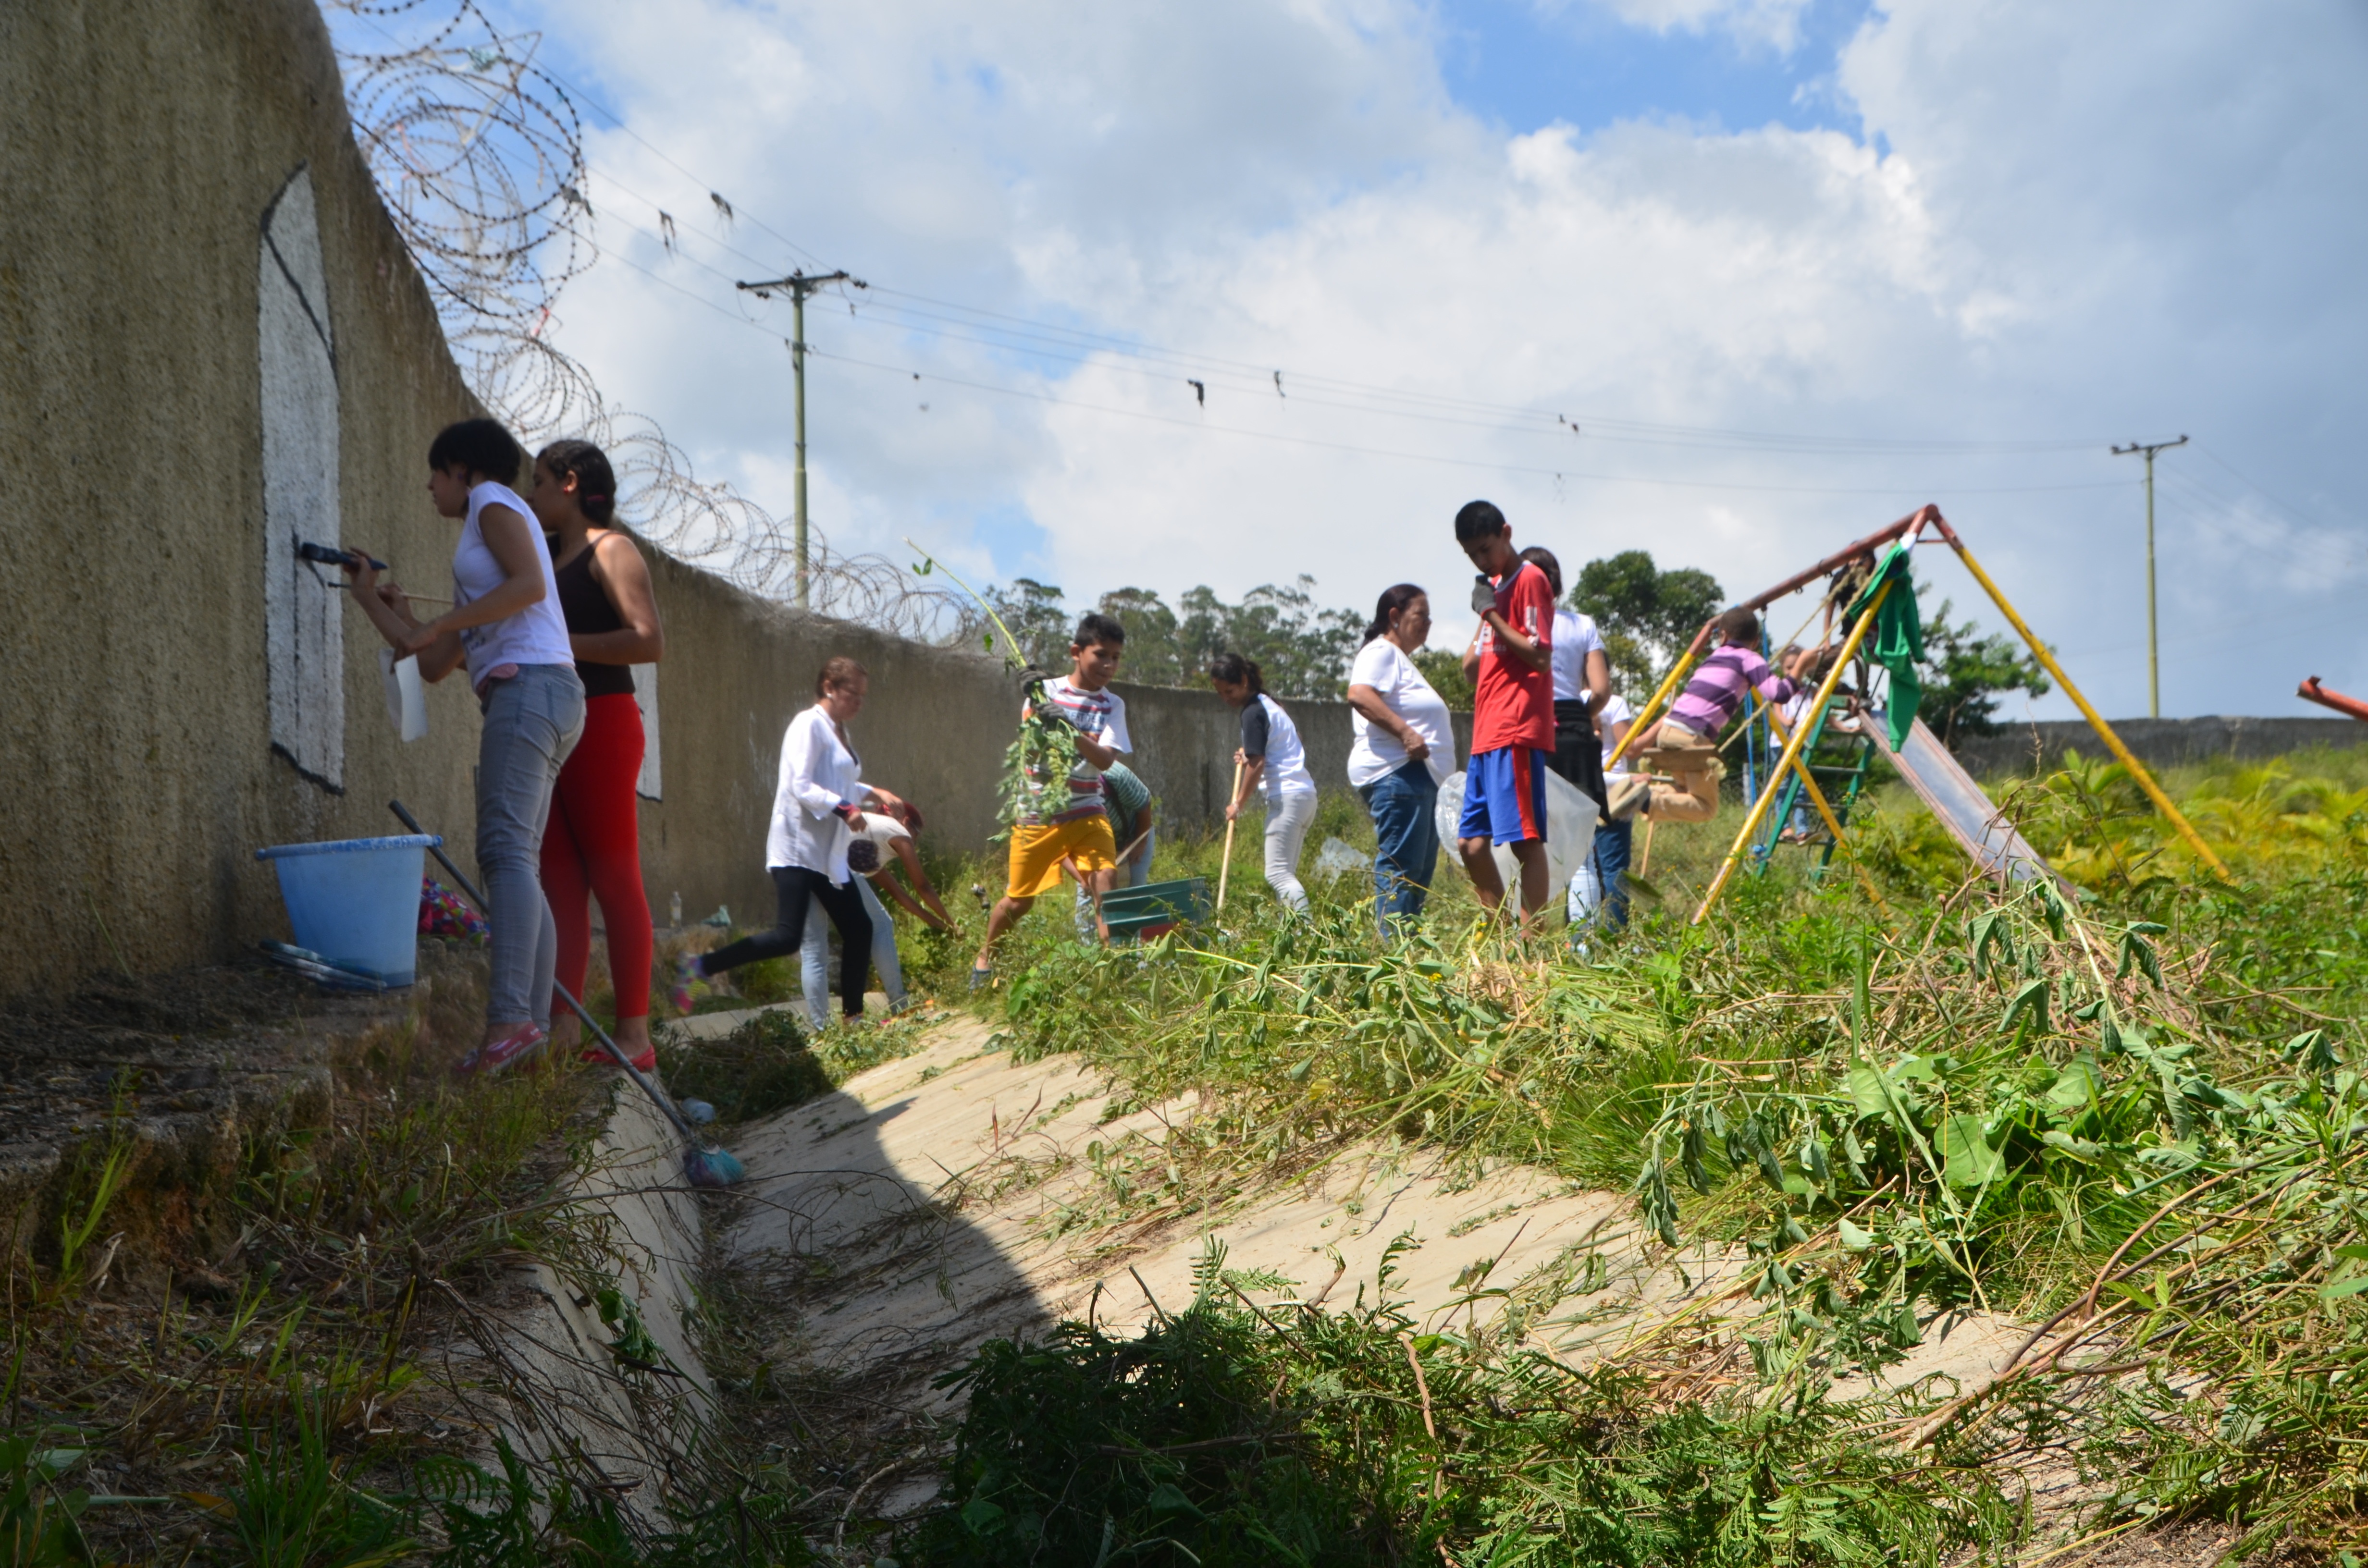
1894	490
955	322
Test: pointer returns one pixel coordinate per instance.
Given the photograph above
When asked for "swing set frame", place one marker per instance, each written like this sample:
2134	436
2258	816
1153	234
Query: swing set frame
1923	526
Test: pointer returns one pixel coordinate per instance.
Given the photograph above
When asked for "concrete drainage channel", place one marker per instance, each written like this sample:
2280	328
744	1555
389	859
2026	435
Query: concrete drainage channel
894	1225
211	1187
886	1229
606	1380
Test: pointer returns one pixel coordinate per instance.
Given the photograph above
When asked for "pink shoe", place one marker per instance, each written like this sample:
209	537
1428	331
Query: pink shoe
522	1041
646	1062
685	972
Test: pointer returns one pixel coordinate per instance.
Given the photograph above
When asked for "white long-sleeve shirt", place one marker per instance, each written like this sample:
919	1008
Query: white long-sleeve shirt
818	774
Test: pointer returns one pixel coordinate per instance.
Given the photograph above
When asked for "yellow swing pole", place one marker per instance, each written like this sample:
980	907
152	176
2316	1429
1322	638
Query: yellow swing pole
2104	731
1818	798
1792	750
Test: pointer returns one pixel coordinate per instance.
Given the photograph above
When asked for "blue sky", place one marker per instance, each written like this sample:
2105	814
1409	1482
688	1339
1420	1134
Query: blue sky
1524	67
1948	251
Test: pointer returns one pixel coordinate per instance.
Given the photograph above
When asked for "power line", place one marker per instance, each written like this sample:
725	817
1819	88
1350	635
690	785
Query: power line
1078	337
1081	341
2324	544
1894	490
1559	474
2154	678
800	287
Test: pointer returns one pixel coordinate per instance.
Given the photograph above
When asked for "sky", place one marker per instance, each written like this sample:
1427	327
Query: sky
1734	282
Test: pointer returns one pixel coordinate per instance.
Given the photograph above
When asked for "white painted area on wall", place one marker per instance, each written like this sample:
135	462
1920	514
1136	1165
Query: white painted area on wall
303	617
645	698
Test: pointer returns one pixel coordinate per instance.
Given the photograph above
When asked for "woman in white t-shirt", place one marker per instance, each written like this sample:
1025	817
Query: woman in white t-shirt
1270	756
506	624
1404	748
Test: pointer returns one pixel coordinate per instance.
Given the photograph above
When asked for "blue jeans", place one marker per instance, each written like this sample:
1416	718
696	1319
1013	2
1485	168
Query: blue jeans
532	720
1406	835
1613	843
814	957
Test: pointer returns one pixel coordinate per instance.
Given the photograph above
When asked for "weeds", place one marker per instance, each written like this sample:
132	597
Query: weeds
272	1377
2127	1112
1227	1436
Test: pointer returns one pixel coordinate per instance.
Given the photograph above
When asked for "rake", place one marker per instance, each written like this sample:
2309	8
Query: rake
701	1165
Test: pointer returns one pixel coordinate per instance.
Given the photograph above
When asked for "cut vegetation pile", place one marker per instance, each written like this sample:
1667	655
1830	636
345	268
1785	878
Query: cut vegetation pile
2127	1116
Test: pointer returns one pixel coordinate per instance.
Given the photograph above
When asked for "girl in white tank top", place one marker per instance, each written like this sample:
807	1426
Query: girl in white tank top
535	635
505	622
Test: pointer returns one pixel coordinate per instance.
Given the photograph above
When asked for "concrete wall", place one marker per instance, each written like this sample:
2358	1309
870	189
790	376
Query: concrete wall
2159	743
1184	743
737	668
140	148
179	694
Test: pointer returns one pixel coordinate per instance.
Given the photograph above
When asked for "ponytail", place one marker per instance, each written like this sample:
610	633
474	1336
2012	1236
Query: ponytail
1233	669
595	480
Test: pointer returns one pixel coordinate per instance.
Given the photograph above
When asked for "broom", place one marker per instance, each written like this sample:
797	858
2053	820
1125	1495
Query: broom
701	1166
1225	866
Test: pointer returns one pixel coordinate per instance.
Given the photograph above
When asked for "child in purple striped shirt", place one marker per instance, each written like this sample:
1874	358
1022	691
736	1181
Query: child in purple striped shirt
1685	744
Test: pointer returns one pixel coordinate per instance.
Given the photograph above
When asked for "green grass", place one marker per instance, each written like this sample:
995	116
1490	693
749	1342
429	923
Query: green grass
258	1384
1959	1099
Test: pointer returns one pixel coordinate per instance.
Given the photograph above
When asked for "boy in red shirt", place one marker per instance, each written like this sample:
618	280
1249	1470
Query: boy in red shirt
1511	665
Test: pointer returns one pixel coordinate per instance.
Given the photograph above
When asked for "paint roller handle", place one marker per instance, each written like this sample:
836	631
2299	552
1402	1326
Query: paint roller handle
330	555
402	814
663	1101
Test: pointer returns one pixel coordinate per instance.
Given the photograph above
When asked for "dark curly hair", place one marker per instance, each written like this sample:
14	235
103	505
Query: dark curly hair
596	482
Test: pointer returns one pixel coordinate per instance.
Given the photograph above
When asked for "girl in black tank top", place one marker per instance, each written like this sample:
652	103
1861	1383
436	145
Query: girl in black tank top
590	613
592	849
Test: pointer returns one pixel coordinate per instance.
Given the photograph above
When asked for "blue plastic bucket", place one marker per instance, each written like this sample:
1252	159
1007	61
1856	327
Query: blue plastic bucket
356	901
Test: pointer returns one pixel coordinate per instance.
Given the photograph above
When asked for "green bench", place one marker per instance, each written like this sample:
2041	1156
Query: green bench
1154	908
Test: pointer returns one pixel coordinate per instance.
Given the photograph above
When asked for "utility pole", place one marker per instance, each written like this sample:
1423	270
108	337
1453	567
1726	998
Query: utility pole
799	285
2154	670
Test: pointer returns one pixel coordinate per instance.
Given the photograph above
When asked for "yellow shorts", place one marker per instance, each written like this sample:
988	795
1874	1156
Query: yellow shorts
1037	854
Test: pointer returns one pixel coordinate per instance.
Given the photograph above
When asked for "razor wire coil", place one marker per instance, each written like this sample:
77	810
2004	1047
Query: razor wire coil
478	154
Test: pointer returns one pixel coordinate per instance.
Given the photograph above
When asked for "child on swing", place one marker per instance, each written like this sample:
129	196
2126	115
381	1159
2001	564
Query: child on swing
1684	745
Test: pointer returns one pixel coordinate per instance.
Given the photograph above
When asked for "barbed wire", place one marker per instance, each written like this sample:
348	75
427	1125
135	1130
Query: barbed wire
478	154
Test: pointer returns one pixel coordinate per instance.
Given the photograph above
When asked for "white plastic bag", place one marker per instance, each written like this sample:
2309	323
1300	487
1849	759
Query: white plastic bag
1570	831
1336	858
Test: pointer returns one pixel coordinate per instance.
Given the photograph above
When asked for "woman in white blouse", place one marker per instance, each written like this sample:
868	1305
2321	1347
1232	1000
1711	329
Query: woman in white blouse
817	805
1404	748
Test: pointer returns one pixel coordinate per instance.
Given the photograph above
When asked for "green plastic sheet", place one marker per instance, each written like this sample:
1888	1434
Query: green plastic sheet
1897	640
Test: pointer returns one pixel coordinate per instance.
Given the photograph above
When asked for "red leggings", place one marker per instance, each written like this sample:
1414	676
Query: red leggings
593	848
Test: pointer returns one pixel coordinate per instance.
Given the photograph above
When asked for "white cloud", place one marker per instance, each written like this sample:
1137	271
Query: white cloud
2093	222
1771	23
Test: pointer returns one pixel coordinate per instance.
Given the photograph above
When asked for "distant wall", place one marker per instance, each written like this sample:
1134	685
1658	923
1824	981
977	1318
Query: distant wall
1184	743
2159	743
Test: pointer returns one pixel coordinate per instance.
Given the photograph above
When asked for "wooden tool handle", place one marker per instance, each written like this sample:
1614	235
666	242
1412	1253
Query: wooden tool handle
1225	866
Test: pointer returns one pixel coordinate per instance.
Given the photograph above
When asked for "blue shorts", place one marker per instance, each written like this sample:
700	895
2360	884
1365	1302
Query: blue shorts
1504	796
